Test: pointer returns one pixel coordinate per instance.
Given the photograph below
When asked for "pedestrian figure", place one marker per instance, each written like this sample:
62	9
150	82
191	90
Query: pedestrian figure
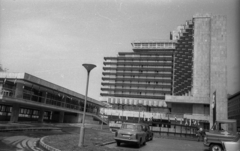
200	134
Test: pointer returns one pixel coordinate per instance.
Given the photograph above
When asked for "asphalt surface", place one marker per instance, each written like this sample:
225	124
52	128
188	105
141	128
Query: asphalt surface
162	144
26	141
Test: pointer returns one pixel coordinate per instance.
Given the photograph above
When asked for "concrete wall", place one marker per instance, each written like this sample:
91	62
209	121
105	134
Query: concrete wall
219	64
19	90
210	61
182	108
198	109
15	113
72	118
201	58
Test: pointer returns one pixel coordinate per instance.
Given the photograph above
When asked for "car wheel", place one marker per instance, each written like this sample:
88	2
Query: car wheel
139	143
151	138
147	138
118	143
215	147
144	143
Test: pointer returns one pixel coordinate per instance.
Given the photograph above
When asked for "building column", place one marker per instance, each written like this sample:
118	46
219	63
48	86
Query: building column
19	90
44	95
41	115
61	117
218	74
79	120
15	113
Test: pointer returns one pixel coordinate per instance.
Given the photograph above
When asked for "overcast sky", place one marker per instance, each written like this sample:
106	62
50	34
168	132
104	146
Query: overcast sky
51	39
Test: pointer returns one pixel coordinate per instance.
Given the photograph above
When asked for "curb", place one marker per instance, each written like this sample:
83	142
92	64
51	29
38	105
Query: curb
45	146
107	143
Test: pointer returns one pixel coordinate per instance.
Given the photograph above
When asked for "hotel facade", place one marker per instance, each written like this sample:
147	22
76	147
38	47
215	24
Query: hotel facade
171	79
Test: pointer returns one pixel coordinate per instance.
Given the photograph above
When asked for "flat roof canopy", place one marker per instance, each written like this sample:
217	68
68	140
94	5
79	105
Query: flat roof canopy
38	81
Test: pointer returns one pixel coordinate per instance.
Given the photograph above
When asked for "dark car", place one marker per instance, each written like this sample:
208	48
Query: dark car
131	133
222	131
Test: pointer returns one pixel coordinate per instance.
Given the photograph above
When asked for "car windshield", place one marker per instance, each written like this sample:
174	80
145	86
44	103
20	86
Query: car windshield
130	126
223	127
226	127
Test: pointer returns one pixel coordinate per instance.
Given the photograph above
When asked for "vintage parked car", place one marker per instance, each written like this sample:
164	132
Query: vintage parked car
131	133
222	130
232	145
148	131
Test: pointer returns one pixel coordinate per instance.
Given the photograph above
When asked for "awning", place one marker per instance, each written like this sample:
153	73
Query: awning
112	101
135	102
155	103
131	102
150	102
160	104
145	102
120	101
126	101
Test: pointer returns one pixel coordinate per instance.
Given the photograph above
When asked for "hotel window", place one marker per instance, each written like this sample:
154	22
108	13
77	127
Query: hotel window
160	44
152	44
137	45
5	110
145	45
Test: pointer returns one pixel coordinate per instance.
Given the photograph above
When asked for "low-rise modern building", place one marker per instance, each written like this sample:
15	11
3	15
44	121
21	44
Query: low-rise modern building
24	97
234	108
171	79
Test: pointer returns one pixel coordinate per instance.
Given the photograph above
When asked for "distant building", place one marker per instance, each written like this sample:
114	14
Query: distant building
234	108
171	79
24	97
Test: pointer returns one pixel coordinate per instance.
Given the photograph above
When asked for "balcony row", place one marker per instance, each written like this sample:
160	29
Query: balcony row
138	74
19	89
141	77
143	68
26	96
153	58
138	63
139	60
137	80
139	90
135	85
133	54
153	45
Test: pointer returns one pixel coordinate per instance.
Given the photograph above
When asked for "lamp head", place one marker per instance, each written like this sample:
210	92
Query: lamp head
89	67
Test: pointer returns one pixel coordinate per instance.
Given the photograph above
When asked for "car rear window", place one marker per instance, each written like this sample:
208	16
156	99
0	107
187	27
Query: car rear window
130	126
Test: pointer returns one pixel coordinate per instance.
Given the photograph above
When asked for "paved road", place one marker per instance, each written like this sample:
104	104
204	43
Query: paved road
162	144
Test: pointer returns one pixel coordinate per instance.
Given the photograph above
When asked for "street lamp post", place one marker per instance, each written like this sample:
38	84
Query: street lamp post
139	105
88	67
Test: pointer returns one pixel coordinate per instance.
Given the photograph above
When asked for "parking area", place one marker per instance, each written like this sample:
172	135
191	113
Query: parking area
163	144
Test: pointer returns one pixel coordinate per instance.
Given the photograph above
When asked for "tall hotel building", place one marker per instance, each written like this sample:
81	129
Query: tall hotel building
171	79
